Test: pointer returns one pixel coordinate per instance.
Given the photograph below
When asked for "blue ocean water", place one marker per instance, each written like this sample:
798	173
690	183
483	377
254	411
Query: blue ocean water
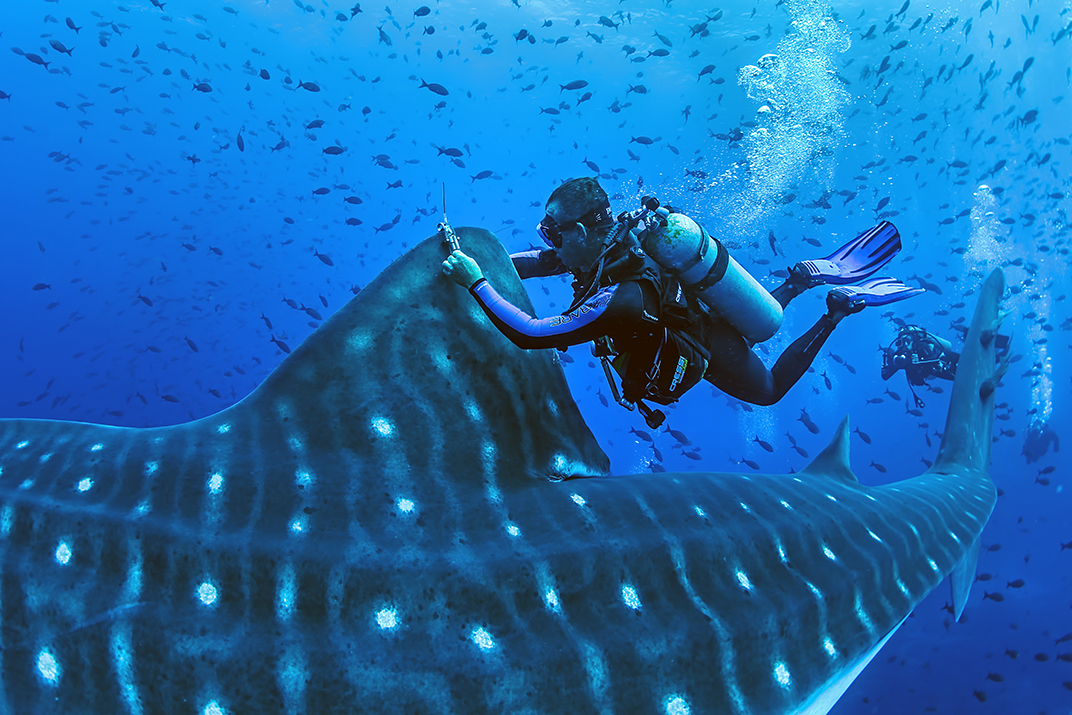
175	175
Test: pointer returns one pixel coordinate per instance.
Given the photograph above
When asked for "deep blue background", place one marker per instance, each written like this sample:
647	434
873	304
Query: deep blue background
101	212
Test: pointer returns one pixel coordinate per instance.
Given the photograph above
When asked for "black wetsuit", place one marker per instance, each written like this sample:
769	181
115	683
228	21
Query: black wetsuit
627	312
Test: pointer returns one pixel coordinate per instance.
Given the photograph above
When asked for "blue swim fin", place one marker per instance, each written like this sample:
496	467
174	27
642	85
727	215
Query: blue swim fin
859	258
877	291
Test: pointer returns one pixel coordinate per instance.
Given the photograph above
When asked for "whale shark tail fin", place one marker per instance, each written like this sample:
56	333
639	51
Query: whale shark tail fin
965	449
970	422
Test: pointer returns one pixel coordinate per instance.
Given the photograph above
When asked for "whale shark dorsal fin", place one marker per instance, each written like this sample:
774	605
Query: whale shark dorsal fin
412	368
834	460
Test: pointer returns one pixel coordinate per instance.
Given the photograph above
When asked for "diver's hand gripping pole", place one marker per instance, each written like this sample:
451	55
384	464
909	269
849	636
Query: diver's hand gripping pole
444	228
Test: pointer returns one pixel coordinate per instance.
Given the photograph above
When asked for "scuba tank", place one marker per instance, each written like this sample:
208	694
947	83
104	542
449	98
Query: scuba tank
708	271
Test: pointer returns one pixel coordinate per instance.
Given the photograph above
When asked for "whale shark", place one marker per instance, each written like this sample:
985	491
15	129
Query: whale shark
410	515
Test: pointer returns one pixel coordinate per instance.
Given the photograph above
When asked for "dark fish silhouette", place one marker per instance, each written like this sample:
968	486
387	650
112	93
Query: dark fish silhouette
436	88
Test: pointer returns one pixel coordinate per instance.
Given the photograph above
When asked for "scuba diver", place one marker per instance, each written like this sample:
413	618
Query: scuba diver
923	355
665	303
1038	439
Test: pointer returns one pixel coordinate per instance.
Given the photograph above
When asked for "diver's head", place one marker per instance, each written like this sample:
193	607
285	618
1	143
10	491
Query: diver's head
577	221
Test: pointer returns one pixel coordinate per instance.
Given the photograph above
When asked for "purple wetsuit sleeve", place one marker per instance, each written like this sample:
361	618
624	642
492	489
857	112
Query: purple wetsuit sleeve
598	316
537	263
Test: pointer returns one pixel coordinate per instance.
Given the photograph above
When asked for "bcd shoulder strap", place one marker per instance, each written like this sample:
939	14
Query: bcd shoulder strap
677	359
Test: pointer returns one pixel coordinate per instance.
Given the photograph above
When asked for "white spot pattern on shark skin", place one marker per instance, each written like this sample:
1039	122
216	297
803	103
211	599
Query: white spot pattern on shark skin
473	410
211	514
224	428
405	506
742	578
213	708
304	478
676	705
512	529
934	566
7	519
45	457
142	508
781	552
726	651
284	410
904	589
298	525
387	618
26	484
874	536
550	599
630	597
552	407
828	553
781	674
578	499
440	361
22	445
382	426
133	583
700	512
483	639
97	447
151	468
123	663
85	484
215	483
784	503
293	674
359	341
48	668
861	614
206	594
745	507
828	646
286	592
63	553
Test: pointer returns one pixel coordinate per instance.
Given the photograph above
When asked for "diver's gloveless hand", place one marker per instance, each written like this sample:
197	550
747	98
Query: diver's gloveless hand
462	269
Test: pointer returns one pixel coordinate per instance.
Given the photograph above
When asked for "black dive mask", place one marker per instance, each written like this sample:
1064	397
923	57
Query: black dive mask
551	231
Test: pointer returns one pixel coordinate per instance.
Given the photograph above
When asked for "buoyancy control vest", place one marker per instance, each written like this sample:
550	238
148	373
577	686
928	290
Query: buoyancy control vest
667	354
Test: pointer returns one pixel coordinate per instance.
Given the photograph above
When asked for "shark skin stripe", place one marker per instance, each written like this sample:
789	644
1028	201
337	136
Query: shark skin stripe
410	515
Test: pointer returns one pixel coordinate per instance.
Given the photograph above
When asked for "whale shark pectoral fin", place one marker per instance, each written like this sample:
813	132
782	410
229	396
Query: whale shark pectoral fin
833	461
826	697
962	578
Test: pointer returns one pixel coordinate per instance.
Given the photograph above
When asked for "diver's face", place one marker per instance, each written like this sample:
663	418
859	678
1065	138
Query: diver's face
579	246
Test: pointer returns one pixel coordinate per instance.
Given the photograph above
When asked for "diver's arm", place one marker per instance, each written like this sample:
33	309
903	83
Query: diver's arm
599	315
537	263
